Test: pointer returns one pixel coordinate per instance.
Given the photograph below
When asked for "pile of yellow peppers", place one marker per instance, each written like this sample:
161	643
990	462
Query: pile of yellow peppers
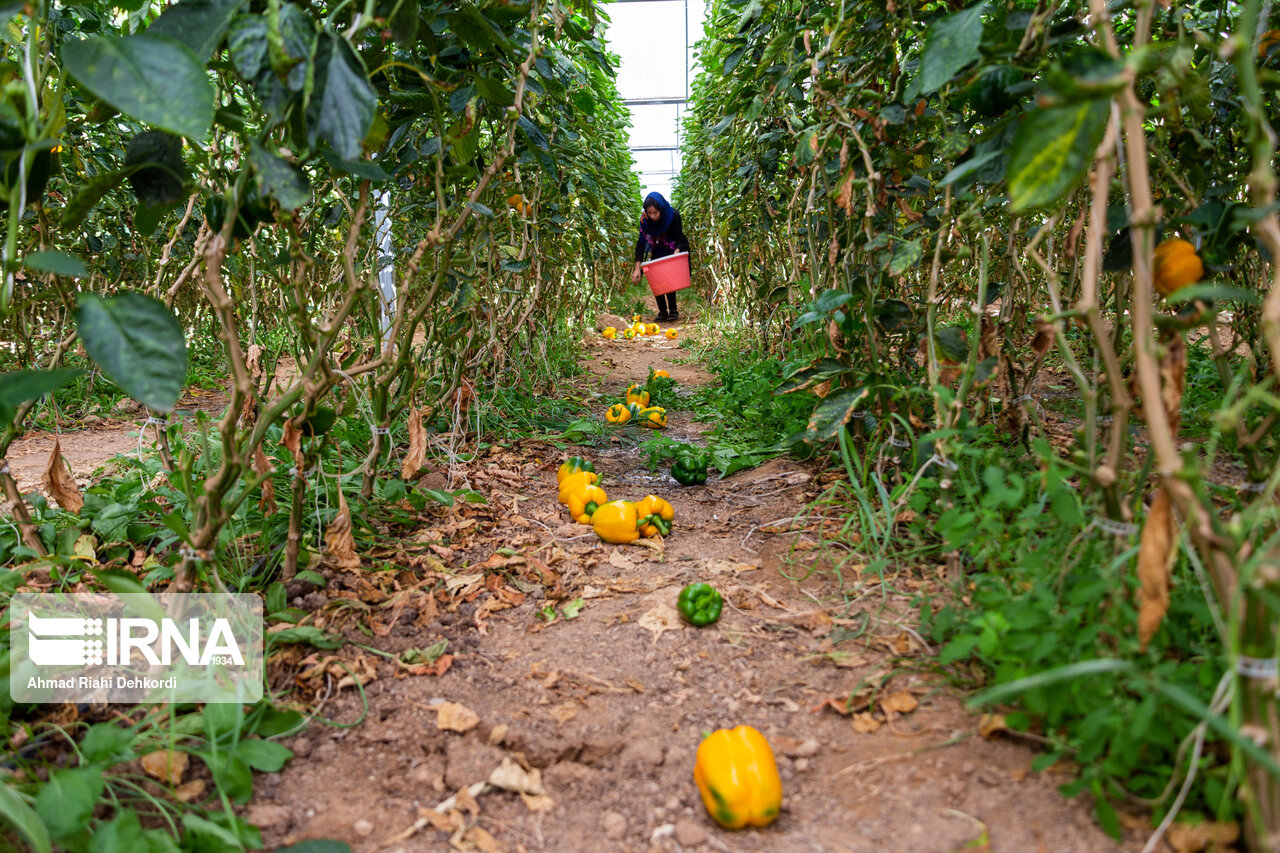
637	329
618	522
636	407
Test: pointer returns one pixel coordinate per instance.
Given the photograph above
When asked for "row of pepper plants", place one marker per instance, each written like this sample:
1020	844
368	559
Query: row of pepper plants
402	203
939	210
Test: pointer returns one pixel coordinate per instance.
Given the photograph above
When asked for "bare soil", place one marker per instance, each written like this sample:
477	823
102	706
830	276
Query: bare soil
606	709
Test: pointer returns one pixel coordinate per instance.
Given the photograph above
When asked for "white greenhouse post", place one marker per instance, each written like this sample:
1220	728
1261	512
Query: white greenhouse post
386	268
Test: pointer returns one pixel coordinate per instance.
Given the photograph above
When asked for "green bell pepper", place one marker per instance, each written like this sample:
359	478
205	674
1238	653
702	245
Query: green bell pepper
690	468
700	604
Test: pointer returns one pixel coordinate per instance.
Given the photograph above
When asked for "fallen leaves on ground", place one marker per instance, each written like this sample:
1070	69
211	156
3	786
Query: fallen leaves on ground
167	765
1192	838
662	617
453	717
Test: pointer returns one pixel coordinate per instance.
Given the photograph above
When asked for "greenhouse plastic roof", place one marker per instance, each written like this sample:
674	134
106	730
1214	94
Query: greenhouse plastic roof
654	40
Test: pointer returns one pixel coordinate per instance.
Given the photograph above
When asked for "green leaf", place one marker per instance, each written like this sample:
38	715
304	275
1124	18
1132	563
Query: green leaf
198	24
1211	291
360	168
319	845
1083	669
106	742
91	192
160	172
15	811
112	521
19	386
951	45
66	802
138	343
342	104
58	263
961	646
906	254
307	634
265	755
967	168
533	133
1052	150
153	79
281	180
952	344
123	832
834	412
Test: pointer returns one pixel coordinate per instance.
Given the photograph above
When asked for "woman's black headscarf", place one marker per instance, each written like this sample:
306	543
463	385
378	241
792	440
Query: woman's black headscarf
647	225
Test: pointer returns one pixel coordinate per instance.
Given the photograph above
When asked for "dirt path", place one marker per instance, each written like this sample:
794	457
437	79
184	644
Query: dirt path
609	706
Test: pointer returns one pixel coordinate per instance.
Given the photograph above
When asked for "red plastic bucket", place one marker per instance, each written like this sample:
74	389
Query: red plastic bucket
667	274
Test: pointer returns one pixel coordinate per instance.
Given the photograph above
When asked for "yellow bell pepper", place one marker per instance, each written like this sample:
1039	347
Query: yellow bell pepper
616	522
638	395
573	481
738	778
610	332
617	414
572	465
584	501
635	318
671	333
655	516
654	417
660	373
638	328
651	329
629	334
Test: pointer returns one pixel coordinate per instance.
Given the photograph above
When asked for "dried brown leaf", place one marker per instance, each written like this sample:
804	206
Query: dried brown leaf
901	702
865	723
291	438
498	734
564	712
340	546
479	838
262	465
845	197
453	717
1189	838
58	480
1173	379
663	617
167	765
417	454
992	724
1155	560
190	791
1043	339
510	776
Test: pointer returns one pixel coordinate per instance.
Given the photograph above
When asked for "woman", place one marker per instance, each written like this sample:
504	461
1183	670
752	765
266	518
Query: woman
661	234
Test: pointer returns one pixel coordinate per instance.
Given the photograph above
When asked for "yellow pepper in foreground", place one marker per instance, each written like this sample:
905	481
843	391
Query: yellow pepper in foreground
616	522
671	333
738	778
638	395
617	414
610	332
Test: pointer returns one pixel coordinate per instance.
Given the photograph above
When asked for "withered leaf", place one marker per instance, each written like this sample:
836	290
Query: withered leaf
416	457
1043	338
901	702
510	776
453	717
992	724
1189	838
865	723
167	765
1155	560
663	617
291	438
58	480
340	546
262	465
1173	379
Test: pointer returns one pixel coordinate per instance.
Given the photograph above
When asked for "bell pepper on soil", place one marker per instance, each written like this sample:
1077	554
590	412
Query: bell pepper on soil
629	334
617	414
638	395
690	468
634	409
584	501
610	332
573	465
651	329
573	481
616	522
661	373
738	778
654	417
638	328
654	516
671	333
700	604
